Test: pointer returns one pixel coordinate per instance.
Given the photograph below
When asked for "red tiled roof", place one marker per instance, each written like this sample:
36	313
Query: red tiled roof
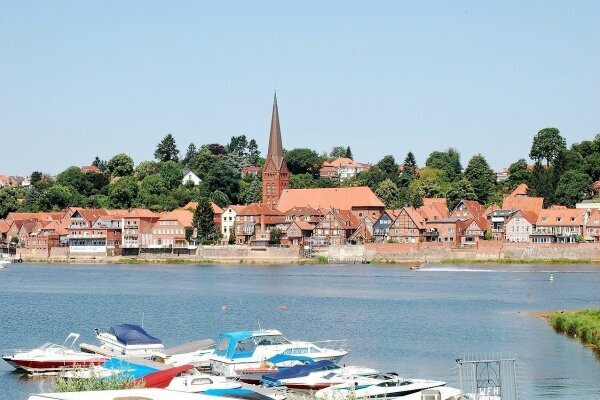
90	168
431	212
520	191
532	204
416	217
561	217
184	217
343	162
439	203
192	205
4	226
259	209
326	198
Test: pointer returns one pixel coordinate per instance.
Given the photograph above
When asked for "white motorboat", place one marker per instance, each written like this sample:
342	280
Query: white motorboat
238	352
4	263
125	340
316	376
193	381
197	353
53	357
389	386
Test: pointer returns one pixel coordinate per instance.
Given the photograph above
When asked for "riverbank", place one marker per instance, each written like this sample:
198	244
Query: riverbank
582	324
302	261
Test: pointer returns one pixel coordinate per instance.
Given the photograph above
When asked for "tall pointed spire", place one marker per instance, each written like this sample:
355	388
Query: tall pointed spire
275	174
275	147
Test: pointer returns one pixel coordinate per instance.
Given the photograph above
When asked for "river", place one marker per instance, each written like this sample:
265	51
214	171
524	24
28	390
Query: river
414	322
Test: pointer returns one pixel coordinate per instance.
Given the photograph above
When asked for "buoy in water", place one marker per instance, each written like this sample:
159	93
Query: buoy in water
283	308
224	307
551	277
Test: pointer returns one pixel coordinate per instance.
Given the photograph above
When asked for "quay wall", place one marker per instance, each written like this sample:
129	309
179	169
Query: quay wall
482	251
372	252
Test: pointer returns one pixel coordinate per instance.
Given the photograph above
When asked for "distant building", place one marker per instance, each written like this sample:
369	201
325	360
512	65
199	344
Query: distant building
228	220
250	170
190	176
342	168
90	168
502	175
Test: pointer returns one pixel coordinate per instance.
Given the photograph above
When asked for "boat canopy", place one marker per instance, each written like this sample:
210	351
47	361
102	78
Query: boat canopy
279	358
298	371
130	334
242	344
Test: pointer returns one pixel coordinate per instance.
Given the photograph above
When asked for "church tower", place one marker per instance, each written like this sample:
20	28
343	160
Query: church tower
275	174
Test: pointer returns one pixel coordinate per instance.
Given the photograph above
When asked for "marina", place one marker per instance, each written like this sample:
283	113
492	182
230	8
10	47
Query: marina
439	314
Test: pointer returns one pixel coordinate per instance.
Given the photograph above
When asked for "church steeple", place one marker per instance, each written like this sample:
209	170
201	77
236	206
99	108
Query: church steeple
275	176
275	147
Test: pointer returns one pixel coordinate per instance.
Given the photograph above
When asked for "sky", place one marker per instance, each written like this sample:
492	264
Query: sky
80	79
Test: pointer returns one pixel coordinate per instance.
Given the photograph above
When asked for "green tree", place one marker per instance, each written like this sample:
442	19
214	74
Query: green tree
146	168
35	178
220	199
253	153
388	192
447	161
224	177
592	166
167	150
542	184
275	236
573	187
460	190
388	166
123	192
120	165
237	151
8	202
303	181
58	197
337	151
75	178
481	176
254	192
547	145
171	173
302	161
518	172
349	153
409	170
204	222
190	153
100	164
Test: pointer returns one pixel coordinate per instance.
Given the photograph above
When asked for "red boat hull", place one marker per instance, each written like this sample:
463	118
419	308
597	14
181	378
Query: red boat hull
52	365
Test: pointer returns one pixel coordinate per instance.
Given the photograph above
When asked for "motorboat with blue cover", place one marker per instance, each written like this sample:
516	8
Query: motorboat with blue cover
126	340
238	352
384	386
316	376
272	365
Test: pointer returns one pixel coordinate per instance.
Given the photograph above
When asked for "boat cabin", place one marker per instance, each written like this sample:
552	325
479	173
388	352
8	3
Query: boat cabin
242	344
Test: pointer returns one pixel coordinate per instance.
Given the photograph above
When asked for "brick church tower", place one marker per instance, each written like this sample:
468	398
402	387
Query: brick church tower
275	174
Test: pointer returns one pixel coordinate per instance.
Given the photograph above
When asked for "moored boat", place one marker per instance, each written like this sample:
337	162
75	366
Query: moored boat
316	376
125	340
238	352
388	386
52	357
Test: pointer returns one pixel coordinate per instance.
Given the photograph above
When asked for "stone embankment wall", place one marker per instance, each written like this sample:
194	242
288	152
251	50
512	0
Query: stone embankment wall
483	251
236	254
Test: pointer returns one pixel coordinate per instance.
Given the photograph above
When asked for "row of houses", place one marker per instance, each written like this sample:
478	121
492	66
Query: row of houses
308	218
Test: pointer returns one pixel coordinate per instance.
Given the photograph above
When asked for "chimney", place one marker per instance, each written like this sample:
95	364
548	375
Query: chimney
262	222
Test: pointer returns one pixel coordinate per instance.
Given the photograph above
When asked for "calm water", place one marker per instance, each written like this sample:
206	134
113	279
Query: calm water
413	322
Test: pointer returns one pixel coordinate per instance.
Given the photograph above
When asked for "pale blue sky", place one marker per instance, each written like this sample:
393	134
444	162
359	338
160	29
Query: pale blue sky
86	78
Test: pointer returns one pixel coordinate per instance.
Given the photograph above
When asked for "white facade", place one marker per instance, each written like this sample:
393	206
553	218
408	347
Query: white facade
191	177
228	222
518	229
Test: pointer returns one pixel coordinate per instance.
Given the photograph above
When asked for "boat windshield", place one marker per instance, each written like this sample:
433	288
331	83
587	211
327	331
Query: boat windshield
223	344
270	340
